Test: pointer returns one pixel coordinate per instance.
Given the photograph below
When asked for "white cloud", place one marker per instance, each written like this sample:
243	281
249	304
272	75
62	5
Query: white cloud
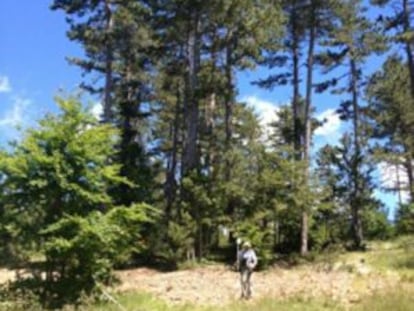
16	116
19	116
330	131
5	86
331	125
97	111
266	111
393	177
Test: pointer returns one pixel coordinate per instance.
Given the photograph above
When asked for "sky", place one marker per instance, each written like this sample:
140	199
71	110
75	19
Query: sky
33	69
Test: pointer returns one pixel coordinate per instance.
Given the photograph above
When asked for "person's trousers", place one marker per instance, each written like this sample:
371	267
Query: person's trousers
245	277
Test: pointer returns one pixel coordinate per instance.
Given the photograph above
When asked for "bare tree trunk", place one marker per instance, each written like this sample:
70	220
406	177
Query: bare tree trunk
190	159
297	122
229	93
108	88
210	124
409	168
355	201
296	95
191	109
408	48
170	183
308	130
228	119
397	170
410	62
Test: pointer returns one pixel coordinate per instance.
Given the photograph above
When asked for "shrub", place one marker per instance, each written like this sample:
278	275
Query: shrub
80	252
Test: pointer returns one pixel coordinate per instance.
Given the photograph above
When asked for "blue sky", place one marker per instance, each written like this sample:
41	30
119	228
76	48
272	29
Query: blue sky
33	69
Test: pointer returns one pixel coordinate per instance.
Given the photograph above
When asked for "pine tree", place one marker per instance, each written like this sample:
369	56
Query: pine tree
400	32
400	29
118	43
352	41
388	92
319	16
91	24
308	22
228	36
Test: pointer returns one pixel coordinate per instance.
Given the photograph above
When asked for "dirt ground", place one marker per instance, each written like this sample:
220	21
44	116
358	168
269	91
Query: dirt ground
218	285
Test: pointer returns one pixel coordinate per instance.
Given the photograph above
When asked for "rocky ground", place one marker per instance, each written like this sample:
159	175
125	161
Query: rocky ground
218	285
344	282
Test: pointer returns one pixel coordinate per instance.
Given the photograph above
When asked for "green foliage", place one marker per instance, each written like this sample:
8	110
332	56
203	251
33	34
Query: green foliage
171	118
376	224
80	251
260	238
59	167
55	200
404	221
179	240
389	91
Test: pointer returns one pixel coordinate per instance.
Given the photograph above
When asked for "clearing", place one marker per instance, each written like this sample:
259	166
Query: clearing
217	285
346	279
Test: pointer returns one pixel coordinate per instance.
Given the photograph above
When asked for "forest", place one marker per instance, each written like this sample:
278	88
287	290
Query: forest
177	168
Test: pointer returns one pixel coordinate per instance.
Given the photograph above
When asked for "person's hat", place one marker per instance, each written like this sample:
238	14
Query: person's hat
247	244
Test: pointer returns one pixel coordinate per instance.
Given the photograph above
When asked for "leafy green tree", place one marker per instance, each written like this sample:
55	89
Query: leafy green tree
81	252
59	168
55	186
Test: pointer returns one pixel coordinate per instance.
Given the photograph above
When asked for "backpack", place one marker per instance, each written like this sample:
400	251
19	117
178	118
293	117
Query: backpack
248	260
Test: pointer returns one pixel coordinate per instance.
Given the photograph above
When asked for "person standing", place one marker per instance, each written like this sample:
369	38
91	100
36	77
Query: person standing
247	260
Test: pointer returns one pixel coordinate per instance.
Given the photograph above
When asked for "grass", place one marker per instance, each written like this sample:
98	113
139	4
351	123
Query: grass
396	301
393	257
396	257
144	302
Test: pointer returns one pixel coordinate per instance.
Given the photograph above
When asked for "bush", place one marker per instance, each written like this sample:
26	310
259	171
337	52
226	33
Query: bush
81	252
405	219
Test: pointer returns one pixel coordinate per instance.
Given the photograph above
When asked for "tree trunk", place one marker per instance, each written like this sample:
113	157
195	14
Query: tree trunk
408	48
409	168
410	62
190	159
355	201
297	122
211	149
229	93
170	183
296	95
108	88
131	145
308	129
191	109
229	99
